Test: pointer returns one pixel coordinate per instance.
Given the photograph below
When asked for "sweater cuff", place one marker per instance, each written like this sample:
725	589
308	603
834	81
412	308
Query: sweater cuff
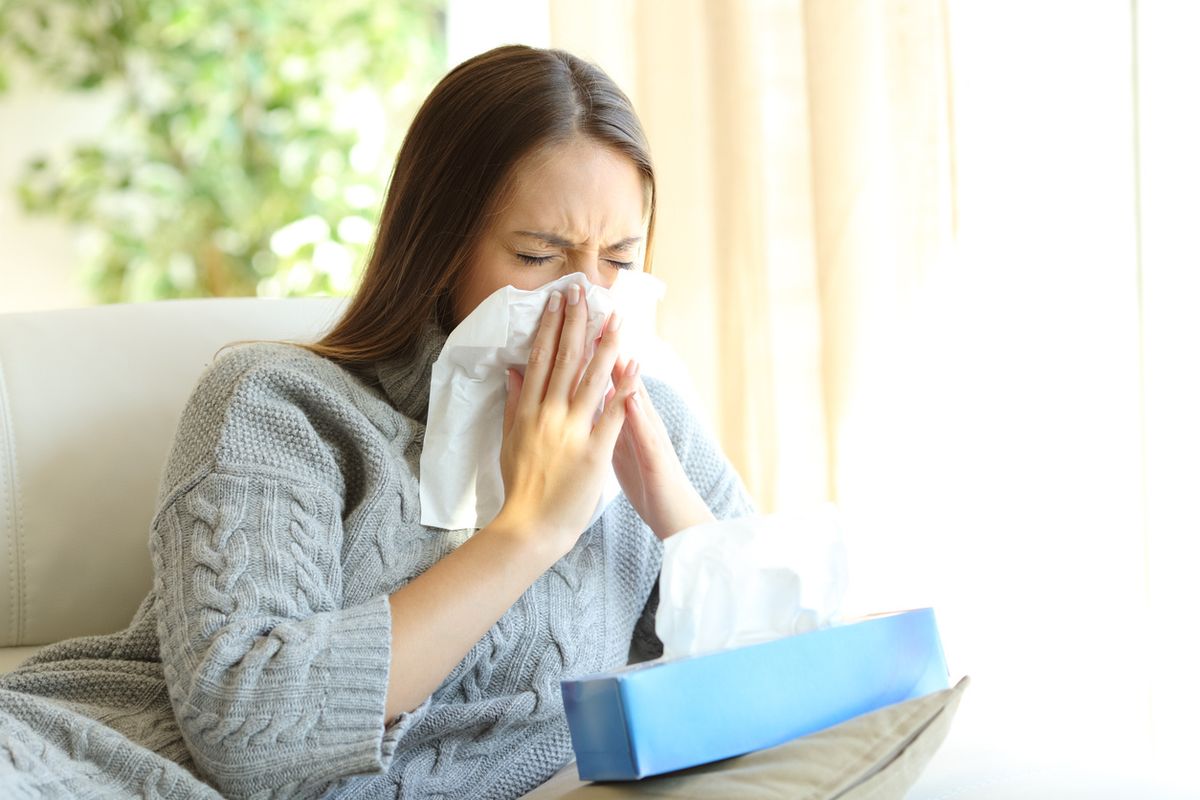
400	726
360	653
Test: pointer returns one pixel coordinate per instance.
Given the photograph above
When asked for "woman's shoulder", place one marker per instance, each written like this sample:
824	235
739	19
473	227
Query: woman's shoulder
279	371
272	407
236	363
253	378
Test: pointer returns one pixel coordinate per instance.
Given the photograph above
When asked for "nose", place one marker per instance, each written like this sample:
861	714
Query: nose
596	269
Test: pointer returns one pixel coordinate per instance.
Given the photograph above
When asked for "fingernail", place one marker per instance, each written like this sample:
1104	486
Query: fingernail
507	380
555	300
573	294
632	369
614	322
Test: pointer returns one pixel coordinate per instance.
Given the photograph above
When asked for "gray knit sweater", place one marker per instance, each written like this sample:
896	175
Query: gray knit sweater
258	664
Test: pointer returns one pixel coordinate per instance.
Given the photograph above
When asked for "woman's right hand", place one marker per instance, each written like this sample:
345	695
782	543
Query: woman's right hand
555	456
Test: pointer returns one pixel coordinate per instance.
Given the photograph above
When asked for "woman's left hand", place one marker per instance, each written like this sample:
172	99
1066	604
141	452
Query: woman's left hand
648	468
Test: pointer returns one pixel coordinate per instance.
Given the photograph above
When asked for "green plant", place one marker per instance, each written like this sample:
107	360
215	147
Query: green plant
250	150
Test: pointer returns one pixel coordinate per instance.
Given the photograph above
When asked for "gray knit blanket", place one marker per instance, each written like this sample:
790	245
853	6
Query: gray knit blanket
257	665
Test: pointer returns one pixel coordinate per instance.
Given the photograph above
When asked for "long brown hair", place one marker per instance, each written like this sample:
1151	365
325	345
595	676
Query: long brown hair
452	171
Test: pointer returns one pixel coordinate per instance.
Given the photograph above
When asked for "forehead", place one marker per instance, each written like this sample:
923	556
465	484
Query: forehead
578	188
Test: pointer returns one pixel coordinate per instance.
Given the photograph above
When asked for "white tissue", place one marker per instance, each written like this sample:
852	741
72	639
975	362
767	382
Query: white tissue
741	581
461	486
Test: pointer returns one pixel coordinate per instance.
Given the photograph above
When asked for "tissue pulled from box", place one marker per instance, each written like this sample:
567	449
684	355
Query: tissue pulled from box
741	581
461	485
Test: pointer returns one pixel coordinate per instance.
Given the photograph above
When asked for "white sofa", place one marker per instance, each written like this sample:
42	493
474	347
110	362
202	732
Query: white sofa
89	402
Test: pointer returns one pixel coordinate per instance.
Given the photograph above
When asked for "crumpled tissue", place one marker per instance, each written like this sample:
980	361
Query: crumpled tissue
461	486
742	581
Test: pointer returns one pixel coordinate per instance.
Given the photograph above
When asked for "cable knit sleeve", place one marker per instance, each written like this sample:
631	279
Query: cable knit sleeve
277	687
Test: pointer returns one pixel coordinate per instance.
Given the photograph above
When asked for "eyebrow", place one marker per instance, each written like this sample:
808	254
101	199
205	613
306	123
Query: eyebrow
558	241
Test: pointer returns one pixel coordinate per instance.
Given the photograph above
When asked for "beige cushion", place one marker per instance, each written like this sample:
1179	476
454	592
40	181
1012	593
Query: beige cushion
11	657
876	756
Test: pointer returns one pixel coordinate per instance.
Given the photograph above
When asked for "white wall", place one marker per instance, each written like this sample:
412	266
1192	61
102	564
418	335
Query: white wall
38	260
475	26
1169	162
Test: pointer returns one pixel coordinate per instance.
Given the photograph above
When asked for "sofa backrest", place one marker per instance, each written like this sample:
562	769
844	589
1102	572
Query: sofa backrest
89	403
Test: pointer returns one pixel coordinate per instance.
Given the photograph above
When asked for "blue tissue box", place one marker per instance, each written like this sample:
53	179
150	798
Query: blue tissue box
660	716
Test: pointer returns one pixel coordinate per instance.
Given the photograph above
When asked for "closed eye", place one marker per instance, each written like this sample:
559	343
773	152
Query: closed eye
535	261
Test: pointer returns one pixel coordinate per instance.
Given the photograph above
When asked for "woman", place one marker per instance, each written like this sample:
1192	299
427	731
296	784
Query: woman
315	639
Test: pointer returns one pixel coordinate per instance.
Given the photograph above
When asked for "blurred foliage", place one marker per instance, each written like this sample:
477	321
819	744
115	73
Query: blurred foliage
252	145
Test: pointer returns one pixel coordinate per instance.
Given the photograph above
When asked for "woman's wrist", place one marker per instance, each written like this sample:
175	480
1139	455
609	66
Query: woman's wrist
689	510
528	535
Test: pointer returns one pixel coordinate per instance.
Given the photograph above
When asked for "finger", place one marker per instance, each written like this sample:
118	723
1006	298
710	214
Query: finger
569	358
592	347
594	383
512	397
613	419
542	353
648	410
618	370
619	367
612	322
641	430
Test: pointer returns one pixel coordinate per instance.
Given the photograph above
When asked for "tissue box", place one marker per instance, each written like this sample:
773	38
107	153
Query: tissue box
660	716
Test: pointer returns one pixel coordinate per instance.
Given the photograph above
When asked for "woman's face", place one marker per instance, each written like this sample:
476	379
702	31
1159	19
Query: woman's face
574	207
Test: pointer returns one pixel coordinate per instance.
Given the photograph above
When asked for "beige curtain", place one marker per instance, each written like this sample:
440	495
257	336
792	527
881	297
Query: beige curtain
803	154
